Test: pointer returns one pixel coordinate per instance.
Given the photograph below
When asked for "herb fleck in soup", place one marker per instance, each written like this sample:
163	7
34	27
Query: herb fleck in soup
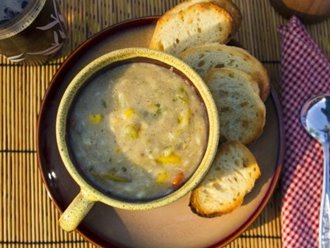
138	131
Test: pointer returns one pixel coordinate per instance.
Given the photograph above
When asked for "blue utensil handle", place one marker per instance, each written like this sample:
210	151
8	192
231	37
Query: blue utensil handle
324	229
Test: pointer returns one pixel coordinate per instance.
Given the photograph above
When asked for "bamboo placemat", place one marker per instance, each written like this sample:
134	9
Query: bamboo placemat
28	218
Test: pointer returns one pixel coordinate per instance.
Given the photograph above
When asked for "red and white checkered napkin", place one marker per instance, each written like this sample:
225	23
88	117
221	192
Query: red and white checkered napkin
305	72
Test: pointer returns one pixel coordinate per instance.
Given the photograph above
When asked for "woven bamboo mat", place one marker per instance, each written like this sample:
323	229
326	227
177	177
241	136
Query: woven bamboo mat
28	218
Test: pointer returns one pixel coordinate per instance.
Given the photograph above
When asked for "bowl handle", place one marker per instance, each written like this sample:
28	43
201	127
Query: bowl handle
76	211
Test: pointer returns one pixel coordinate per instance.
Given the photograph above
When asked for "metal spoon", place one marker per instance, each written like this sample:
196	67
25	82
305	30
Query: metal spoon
315	117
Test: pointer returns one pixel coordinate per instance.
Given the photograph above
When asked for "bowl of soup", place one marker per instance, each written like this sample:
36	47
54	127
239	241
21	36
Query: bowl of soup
136	129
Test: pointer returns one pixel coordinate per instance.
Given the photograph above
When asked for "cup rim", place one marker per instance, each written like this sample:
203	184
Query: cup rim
22	20
129	54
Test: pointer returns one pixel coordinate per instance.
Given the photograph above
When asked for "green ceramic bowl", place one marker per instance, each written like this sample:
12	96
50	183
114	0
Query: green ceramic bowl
88	193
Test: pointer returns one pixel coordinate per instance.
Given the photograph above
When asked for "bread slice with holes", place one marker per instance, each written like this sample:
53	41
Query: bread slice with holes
192	26
205	57
233	10
228	5
242	113
232	175
234	74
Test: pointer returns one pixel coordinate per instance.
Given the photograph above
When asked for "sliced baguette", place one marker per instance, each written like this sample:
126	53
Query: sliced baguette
242	113
233	74
194	25
233	10
228	5
231	176
204	57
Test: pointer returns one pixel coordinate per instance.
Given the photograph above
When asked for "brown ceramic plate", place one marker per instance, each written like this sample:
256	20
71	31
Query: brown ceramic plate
171	226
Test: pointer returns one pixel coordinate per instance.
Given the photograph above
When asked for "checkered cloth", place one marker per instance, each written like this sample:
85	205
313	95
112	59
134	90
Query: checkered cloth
305	72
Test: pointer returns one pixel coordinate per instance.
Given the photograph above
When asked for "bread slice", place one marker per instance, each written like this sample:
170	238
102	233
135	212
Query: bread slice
233	10
234	74
204	57
194	25
242	113
228	5
231	176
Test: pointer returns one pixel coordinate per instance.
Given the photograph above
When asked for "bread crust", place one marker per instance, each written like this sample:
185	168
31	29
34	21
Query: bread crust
233	10
201	22
228	5
242	113
204	57
223	189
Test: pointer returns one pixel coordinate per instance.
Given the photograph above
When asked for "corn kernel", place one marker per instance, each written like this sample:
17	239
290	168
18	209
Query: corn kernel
129	112
95	118
169	159
162	177
132	131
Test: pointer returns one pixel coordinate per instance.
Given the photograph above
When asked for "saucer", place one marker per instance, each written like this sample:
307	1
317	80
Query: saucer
171	226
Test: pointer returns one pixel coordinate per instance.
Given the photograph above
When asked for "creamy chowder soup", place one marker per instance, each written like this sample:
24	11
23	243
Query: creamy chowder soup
138	131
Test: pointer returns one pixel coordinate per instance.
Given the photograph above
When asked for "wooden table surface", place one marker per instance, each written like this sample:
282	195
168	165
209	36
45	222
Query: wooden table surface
28	217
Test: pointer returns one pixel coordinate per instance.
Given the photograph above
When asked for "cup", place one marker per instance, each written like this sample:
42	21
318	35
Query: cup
89	191
31	31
